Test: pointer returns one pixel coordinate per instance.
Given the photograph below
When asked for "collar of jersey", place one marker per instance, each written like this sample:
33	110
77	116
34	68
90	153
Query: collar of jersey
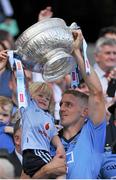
67	140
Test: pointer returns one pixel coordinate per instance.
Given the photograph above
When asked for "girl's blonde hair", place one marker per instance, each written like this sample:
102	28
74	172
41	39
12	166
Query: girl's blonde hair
46	89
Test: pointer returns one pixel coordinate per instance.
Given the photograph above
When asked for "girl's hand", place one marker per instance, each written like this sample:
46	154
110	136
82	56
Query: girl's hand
45	13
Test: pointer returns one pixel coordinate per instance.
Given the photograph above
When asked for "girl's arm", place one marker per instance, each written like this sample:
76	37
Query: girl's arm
59	146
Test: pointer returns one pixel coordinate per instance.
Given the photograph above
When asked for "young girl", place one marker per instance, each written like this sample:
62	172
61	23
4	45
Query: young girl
38	129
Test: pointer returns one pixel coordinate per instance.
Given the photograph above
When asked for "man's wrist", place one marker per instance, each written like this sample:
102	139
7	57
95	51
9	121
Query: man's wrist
43	173
48	170
77	52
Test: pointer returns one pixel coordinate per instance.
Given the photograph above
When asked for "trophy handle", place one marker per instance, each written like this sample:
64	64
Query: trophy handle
74	26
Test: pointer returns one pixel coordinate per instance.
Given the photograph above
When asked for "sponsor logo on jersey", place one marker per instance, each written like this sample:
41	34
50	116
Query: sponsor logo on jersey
47	126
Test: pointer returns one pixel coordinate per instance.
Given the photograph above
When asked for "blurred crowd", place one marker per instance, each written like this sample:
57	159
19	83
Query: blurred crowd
61	126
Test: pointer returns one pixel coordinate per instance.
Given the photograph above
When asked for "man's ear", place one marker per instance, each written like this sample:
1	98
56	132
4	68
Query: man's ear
96	57
85	112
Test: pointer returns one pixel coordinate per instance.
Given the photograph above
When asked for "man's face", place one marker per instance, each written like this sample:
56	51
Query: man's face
106	57
17	139
70	110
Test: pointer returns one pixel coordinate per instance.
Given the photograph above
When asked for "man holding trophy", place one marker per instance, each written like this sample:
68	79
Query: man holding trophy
84	126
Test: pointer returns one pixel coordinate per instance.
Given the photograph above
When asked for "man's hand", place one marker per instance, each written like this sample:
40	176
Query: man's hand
56	167
112	74
45	13
78	39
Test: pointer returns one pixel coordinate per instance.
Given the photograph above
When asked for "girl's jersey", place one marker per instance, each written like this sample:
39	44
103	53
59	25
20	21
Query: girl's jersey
38	128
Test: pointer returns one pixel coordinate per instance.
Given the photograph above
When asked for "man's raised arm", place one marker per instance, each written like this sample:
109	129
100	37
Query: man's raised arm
96	106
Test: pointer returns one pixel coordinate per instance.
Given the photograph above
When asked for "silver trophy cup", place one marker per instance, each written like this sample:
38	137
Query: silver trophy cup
49	44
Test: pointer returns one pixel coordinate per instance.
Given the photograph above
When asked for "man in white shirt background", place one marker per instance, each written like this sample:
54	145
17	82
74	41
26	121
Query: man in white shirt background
105	67
105	57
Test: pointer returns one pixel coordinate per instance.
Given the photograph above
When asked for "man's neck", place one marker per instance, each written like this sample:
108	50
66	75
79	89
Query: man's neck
71	131
105	69
18	150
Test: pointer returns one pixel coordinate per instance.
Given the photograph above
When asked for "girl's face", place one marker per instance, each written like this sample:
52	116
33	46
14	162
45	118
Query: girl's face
42	101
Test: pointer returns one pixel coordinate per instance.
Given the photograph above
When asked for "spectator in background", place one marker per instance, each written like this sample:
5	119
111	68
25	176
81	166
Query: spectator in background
111	127
105	57
16	156
6	167
109	32
106	65
108	168
6	42
7	22
5	75
6	9
6	130
7	39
